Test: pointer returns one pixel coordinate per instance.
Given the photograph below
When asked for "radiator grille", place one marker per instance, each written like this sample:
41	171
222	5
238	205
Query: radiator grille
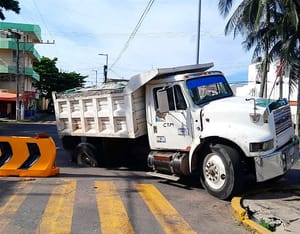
282	119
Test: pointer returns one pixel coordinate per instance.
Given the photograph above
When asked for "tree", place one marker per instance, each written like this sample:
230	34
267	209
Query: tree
49	73
69	80
254	20
287	47
280	36
12	5
289	44
53	80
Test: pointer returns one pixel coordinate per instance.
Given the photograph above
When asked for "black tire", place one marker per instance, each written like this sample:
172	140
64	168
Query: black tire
115	151
70	142
85	155
221	172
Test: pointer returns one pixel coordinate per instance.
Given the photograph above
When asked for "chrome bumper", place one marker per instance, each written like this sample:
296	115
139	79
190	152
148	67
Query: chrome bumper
277	163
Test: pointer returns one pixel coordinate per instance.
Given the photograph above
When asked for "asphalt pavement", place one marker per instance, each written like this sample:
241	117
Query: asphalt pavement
271	207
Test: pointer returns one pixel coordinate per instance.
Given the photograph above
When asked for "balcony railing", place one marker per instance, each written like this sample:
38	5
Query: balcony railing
10	43
13	70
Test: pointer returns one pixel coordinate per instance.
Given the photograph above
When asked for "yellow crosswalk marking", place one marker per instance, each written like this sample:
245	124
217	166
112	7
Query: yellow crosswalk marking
113	216
13	204
57	217
163	211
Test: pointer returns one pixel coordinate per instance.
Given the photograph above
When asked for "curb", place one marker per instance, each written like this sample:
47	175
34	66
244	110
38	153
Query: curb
29	122
241	215
37	119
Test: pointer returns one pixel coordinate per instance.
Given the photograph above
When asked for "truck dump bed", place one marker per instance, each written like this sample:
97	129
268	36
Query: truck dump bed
107	111
115	109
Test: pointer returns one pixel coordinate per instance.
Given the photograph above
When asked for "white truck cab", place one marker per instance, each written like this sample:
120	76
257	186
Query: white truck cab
194	125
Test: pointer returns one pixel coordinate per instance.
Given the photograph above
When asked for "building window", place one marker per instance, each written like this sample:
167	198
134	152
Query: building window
14	56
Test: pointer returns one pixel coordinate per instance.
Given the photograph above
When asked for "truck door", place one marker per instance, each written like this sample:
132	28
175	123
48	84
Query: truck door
169	126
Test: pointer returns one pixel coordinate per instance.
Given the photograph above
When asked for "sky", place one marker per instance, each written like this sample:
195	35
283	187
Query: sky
167	36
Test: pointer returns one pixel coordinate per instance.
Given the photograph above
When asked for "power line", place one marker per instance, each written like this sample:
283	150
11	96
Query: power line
42	18
132	35
114	34
117	74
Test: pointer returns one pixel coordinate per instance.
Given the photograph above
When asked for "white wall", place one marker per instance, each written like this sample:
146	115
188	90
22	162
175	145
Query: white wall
252	88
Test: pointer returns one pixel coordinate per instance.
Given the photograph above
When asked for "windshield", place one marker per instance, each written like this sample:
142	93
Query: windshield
205	89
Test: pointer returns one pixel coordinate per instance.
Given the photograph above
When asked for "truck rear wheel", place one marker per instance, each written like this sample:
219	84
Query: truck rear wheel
86	155
70	142
221	172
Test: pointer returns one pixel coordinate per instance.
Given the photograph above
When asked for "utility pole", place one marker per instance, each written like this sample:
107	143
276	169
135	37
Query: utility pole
105	68
198	33
96	76
17	36
23	80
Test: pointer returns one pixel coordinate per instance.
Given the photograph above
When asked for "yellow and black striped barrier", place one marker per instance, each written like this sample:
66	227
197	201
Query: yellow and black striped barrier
28	156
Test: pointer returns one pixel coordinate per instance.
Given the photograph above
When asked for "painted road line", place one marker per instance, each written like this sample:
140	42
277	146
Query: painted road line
112	213
12	205
57	217
164	212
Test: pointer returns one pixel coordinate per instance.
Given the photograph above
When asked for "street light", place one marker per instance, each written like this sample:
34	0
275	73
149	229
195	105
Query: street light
105	67
96	75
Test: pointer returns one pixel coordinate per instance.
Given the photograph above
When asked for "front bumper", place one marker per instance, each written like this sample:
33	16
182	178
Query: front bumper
277	163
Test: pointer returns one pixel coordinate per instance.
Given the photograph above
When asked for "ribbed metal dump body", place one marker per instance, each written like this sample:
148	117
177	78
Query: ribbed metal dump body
107	112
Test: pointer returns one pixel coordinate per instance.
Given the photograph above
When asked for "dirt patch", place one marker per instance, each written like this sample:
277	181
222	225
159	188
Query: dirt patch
277	210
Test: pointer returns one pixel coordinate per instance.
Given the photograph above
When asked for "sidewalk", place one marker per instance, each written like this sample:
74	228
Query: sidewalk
274	208
38	118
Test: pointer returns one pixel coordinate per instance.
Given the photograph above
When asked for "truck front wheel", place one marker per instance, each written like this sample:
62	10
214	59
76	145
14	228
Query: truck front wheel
86	155
221	171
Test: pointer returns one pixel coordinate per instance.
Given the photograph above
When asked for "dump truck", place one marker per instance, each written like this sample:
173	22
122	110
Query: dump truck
191	121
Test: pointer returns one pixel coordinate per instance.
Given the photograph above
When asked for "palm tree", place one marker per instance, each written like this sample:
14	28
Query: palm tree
273	27
9	5
254	20
287	43
289	30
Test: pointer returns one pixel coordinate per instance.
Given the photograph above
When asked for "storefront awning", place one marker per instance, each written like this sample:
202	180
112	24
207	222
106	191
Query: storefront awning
8	97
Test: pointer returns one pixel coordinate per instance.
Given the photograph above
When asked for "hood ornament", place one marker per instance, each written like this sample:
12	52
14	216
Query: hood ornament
253	116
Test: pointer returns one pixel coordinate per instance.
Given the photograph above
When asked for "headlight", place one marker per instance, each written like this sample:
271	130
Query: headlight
261	146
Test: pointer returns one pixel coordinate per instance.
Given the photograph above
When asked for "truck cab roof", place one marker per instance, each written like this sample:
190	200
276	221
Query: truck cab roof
141	79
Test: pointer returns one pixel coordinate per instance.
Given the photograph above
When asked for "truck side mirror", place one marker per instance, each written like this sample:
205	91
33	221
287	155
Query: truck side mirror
162	101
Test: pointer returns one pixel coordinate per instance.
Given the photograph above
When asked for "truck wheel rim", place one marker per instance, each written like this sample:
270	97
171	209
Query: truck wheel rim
86	160
214	172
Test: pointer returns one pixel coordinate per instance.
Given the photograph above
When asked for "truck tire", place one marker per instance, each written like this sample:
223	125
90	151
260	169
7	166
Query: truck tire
70	142
85	155
221	173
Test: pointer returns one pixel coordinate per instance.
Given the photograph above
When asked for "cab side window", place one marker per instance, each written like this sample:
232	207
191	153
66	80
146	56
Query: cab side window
179	99
176	99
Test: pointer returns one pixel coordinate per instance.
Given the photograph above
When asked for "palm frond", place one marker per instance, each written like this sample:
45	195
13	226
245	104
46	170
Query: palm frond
239	23
294	75
224	7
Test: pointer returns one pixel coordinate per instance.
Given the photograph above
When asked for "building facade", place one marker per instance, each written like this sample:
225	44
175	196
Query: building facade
278	84
17	54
